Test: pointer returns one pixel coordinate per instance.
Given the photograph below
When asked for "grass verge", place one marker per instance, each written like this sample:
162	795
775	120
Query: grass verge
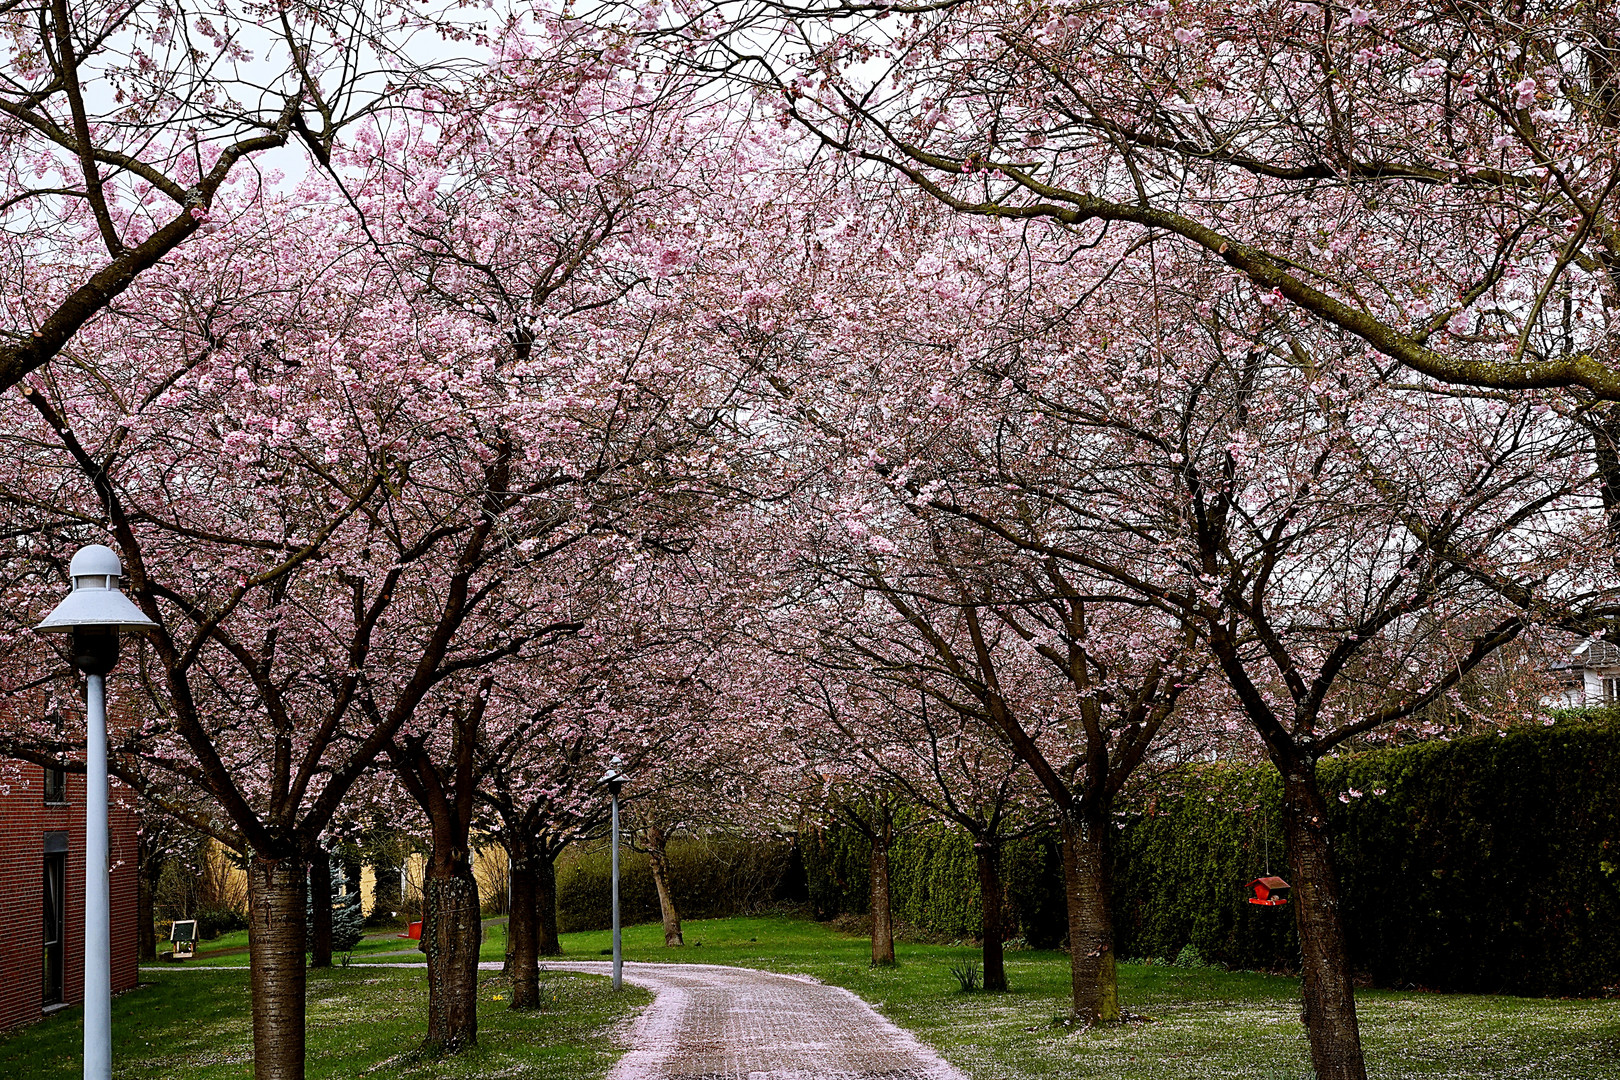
230	950
362	1022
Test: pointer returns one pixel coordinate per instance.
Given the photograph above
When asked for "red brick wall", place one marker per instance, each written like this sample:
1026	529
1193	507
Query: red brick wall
24	820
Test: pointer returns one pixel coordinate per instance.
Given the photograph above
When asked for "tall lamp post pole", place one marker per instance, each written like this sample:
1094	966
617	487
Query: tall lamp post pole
614	779
94	613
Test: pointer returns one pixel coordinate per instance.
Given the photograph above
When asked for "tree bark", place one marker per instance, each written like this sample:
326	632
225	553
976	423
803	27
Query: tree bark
666	899
276	958
1093	979
1605	427
547	943
385	894
320	908
882	917
523	934
990	928
1329	994
451	934
145	918
451	930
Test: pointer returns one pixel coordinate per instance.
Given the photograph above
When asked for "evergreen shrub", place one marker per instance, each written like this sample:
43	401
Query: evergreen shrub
347	921
214	921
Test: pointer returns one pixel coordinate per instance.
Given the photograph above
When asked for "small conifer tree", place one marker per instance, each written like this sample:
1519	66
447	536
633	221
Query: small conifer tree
346	916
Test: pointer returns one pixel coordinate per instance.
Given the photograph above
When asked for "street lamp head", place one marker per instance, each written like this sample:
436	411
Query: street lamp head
95	611
615	778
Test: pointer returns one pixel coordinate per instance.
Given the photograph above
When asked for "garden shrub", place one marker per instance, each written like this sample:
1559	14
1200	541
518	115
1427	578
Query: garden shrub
214	921
1189	957
347	922
1491	864
1486	864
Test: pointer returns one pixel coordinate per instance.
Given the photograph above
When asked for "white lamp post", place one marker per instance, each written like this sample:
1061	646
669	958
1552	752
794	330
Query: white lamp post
94	613
614	779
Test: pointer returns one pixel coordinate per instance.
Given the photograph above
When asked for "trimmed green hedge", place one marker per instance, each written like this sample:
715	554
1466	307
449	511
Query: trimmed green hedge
711	878
934	881
1492	864
1182	865
1485	864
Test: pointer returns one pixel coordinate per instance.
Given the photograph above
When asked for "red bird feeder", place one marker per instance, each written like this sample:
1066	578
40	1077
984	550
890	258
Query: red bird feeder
1269	891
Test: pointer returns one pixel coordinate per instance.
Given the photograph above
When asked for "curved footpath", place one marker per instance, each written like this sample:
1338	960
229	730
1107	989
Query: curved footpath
709	1022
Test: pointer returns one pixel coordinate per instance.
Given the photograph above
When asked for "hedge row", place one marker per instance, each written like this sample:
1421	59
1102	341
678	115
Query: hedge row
1482	864
711	878
934	881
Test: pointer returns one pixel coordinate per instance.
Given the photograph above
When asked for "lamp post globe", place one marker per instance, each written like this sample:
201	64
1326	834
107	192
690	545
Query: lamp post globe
615	779
95	612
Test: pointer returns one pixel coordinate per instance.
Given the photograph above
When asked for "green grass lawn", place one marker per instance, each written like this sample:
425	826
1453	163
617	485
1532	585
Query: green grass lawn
1198	1023
1202	1022
195	1024
231	949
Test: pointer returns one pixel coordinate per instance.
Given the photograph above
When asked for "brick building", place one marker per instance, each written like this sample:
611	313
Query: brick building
42	890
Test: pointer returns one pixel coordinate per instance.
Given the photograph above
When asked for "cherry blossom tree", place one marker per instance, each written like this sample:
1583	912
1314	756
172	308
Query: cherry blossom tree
548	206
612	698
126	123
1438	185
271	600
443	786
403	490
1345	552
874	308
949	766
1343	546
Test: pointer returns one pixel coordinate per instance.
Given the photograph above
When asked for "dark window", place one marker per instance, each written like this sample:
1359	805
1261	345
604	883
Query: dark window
55	924
56	786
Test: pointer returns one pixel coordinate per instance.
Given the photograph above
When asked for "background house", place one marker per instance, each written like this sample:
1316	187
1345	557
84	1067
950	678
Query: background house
42	890
1591	676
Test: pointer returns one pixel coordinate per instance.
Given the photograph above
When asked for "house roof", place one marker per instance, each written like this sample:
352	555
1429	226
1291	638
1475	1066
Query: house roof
1599	654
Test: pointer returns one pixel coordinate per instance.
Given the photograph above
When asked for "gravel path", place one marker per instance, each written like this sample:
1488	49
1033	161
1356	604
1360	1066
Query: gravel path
709	1022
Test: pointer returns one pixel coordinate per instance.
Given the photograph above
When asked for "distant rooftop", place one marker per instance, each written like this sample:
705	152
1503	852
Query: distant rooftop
1598	654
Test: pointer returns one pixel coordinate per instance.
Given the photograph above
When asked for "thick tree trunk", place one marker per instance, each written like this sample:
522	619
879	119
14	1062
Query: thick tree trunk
547	943
1330	1003
882	917
523	935
320	908
451	935
989	860
385	894
1093	979
660	876
1606	454
276	973
145	918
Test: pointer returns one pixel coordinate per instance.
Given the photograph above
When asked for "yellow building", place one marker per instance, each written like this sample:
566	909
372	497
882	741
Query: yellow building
489	869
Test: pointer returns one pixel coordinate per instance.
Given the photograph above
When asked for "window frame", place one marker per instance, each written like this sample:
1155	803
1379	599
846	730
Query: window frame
56	793
54	963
